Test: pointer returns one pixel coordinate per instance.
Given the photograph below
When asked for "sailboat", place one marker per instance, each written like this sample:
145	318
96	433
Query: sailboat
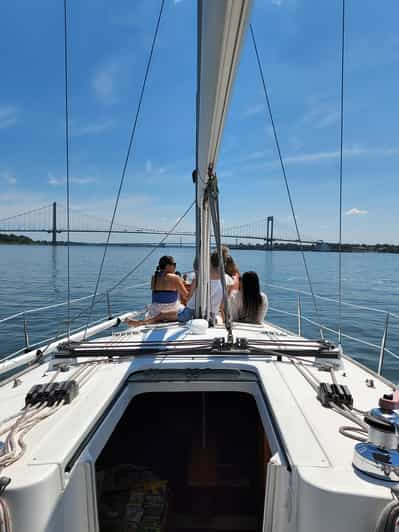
202	426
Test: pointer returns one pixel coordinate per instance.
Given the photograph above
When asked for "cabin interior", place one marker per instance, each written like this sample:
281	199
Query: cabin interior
184	461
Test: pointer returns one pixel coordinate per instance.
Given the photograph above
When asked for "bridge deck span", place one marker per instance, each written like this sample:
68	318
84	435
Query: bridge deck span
155	232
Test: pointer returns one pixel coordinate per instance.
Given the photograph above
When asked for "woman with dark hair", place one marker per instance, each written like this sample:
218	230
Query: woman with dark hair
187	313
249	303
168	289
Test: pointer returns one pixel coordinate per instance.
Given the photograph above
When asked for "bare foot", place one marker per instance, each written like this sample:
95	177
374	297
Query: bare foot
133	323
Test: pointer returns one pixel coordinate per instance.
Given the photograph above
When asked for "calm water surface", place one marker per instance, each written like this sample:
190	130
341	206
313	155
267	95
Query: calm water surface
34	276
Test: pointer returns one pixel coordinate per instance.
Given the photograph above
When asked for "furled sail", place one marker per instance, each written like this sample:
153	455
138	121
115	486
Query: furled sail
221	29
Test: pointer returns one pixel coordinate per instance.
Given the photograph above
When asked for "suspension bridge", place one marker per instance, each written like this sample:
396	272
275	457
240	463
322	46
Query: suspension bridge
52	219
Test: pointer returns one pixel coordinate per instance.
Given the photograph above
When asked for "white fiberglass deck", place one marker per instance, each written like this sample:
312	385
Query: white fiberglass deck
316	487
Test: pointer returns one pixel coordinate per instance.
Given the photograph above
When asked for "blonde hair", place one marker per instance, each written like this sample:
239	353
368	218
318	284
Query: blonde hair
230	266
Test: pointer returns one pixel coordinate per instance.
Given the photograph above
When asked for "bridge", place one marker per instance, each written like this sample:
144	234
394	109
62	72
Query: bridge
52	219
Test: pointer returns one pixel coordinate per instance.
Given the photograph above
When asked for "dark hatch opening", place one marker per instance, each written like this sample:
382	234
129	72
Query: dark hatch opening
184	461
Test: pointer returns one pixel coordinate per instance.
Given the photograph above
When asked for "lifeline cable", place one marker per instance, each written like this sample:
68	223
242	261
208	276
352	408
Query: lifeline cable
132	135
286	180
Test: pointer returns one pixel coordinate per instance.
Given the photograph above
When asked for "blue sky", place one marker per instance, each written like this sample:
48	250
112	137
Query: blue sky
108	45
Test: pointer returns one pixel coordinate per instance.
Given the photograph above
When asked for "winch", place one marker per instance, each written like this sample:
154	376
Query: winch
379	456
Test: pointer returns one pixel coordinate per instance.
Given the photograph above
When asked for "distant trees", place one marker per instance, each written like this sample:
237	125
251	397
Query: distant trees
16	239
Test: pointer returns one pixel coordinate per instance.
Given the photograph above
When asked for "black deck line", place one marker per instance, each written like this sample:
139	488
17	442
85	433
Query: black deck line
192	352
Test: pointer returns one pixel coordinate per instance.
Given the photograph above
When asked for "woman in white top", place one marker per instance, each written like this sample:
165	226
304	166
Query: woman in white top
216	293
249	304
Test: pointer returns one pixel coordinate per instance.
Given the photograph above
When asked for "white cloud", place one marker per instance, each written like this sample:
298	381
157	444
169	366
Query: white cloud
103	82
60	181
255	156
329	119
356	151
92	129
8	116
148	167
322	114
296	143
83	180
8	178
154	171
356	212
53	181
254	109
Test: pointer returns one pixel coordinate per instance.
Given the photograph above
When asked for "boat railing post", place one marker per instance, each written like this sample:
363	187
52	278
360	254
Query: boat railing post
109	309
26	334
299	313
383	344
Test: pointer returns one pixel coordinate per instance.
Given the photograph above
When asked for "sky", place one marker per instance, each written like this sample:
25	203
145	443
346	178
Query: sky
108	46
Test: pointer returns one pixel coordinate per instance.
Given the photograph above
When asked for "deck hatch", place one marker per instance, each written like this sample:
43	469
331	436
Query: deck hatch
193	374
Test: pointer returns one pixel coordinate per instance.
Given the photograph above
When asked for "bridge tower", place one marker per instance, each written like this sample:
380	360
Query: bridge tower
54	228
269	232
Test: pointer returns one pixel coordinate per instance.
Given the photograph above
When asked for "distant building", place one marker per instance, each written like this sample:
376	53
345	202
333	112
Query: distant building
323	246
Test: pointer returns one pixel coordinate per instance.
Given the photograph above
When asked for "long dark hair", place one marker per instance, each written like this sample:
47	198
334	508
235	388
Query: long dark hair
251	296
163	262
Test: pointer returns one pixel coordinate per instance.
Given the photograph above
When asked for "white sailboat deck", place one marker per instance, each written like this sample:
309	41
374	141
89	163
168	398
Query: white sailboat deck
309	432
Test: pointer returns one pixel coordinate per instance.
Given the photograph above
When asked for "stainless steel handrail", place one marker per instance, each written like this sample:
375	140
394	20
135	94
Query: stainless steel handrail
381	348
56	305
298	316
331	300
47	341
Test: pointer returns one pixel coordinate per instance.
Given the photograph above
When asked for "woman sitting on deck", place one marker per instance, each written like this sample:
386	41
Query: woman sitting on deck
249	304
167	289
185	314
232	271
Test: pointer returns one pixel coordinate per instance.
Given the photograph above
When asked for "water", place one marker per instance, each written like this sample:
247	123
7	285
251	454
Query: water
34	276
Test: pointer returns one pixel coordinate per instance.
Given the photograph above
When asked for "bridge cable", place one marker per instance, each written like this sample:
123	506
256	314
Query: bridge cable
67	166
286	181
132	134
58	334
26	212
152	251
340	174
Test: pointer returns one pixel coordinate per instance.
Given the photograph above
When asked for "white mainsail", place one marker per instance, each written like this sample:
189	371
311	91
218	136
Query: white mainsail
221	30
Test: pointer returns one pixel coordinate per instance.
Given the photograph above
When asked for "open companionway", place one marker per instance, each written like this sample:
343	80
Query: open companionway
184	461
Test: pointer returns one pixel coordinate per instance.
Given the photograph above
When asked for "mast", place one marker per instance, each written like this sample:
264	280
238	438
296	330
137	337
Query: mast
221	29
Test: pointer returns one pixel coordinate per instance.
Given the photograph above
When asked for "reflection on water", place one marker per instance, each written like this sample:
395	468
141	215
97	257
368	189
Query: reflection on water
34	276
54	272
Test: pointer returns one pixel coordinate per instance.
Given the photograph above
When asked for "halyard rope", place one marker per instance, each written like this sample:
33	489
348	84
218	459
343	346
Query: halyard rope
286	180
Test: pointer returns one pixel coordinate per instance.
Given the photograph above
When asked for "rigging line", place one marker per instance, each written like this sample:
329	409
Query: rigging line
67	166
137	266
286	181
132	135
340	175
